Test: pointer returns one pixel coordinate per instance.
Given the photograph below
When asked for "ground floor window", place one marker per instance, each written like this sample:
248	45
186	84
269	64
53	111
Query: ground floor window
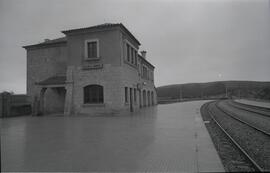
130	95
148	97
126	94
93	94
144	98
135	95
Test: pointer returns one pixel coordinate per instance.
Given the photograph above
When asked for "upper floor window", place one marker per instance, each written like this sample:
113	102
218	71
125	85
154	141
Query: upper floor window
136	58
139	69
93	94
151	77
144	72
92	48
128	52
131	53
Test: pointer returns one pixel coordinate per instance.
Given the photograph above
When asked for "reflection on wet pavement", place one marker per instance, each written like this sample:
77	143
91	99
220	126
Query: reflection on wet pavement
148	140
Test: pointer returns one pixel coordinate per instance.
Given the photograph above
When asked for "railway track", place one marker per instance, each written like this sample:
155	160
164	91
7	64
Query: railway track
209	107
234	116
250	108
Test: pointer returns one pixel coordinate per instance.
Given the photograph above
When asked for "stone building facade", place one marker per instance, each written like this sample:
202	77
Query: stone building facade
91	70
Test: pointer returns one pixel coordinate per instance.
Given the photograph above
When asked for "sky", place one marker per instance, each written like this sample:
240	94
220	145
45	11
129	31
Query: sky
186	40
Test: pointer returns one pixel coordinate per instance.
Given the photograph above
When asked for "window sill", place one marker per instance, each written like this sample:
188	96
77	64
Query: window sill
132	65
129	104
93	105
92	66
92	59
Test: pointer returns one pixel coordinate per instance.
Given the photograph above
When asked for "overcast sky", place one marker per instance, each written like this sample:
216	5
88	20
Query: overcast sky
187	41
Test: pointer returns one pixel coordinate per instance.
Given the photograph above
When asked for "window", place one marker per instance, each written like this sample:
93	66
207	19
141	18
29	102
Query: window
152	75
139	69
152	98
132	55
126	94
128	54
135	58
148	97
131	96
92	49
93	94
135	95
144	72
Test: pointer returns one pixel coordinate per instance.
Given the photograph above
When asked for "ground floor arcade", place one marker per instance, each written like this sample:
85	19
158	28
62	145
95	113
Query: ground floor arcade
57	99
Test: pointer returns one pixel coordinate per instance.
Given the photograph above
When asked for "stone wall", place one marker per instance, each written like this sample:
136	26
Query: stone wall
43	63
109	49
109	78
114	79
108	70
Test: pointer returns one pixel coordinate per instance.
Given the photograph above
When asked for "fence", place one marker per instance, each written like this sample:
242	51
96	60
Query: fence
14	105
171	100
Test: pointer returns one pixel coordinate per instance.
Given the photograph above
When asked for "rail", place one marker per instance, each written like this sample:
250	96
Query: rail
254	163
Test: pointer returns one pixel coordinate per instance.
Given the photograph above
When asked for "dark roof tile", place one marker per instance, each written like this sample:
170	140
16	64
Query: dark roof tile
54	80
104	26
48	42
147	62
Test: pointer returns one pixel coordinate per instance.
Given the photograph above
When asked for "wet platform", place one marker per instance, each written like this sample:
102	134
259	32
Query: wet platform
254	103
165	138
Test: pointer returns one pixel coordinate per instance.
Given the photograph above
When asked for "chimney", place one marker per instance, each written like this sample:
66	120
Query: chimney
143	54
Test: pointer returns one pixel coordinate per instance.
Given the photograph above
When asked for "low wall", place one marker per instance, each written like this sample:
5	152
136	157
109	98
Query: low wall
168	101
14	105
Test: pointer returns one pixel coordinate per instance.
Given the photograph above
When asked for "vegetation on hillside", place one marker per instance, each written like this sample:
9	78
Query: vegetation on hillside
238	89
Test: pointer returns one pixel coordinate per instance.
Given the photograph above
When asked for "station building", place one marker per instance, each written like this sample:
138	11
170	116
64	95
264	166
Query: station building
92	70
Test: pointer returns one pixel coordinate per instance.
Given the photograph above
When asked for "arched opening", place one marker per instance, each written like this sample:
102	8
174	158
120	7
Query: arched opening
131	99
152	98
148	98
144	98
93	94
52	100
140	98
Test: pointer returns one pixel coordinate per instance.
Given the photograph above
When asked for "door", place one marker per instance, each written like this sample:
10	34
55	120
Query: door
140	99
131	99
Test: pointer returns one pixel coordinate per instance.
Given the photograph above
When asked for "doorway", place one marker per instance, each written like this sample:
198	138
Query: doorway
52	100
140	99
131	99
144	98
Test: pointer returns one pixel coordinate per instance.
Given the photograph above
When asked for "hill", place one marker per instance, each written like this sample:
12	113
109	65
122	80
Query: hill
246	89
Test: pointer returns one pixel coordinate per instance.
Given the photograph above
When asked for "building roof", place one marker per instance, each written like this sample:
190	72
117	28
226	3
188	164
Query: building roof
147	62
48	42
103	26
60	40
54	80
